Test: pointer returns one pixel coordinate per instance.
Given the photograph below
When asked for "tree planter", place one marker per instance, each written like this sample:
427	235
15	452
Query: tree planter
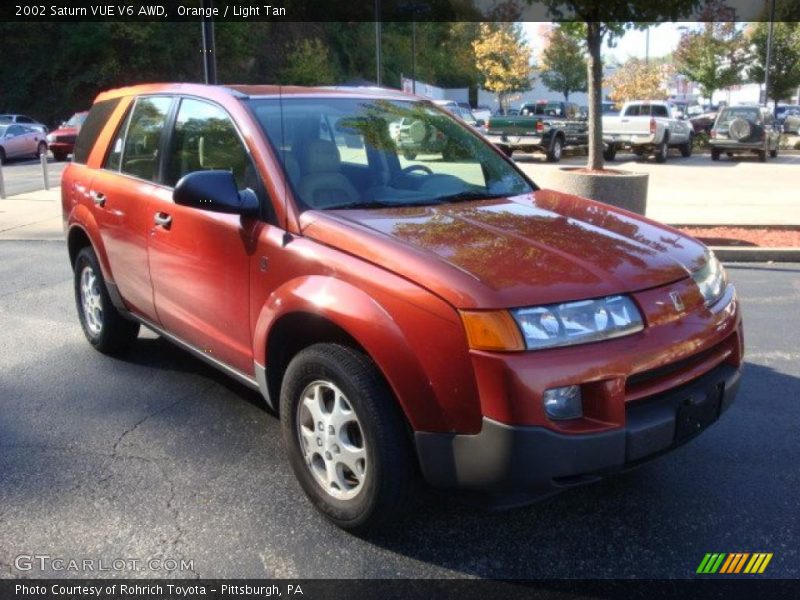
619	188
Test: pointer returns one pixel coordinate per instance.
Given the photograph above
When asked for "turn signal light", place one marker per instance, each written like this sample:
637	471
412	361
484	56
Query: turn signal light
652	126
539	126
492	330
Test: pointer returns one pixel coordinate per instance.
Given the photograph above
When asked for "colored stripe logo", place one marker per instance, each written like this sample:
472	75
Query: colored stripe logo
729	563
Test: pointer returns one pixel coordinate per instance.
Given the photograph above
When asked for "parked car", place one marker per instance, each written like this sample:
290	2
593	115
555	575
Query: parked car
745	129
482	113
647	127
62	140
607	108
703	122
445	320
544	126
17	141
783	109
23	120
791	121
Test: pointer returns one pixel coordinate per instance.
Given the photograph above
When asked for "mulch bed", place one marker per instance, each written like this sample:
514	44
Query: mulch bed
763	237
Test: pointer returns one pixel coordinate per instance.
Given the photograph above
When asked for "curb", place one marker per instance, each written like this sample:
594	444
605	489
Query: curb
748	254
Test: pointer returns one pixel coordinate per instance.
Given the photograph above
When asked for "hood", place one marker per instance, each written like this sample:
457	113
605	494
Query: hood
539	248
65	131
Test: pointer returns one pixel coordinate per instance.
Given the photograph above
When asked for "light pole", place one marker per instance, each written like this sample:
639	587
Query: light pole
209	49
647	45
378	42
414	10
769	53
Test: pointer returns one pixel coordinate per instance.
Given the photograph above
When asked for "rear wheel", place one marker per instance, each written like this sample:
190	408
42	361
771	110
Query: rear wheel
105	328
556	149
714	154
774	153
59	156
610	152
2	156
41	149
345	436
662	151
762	156
507	150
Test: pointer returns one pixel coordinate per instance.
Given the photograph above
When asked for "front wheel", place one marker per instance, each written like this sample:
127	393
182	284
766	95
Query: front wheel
762	156
714	154
105	328
345	436
774	153
686	148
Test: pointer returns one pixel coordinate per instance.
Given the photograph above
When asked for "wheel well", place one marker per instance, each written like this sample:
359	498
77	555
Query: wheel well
76	242
291	334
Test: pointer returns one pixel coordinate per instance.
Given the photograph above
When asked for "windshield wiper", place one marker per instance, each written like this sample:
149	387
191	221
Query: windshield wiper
362	204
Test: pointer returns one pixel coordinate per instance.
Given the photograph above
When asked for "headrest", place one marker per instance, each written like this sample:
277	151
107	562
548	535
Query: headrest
321	156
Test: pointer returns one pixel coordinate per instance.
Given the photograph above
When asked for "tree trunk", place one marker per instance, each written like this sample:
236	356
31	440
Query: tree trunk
594	41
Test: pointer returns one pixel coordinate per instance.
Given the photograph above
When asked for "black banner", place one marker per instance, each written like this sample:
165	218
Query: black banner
389	10
361	589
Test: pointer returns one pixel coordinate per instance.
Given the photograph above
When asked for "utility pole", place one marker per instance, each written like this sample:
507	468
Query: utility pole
413	56
209	45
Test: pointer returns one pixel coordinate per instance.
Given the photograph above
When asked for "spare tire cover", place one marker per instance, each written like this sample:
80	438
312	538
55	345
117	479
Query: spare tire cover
740	129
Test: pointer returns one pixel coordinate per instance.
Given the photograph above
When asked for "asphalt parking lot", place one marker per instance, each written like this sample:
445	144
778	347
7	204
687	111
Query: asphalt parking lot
25	175
159	456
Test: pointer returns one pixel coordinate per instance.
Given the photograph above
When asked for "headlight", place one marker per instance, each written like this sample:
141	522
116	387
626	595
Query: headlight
51	137
711	279
578	322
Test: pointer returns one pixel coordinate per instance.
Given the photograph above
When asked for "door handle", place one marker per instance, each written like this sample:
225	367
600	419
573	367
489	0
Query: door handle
162	219
98	198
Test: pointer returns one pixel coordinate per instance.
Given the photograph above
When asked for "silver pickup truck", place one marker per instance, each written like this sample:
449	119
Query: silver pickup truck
647	127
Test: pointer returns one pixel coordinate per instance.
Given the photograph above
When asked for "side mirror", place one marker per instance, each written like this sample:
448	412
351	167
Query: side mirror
215	191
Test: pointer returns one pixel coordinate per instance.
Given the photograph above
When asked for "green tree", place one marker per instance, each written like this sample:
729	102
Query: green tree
309	63
504	60
712	56
563	65
784	73
583	21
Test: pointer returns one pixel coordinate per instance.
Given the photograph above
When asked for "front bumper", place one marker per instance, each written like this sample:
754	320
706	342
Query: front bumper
537	461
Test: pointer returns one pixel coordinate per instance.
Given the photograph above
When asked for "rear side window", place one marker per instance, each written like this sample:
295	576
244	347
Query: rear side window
205	138
143	137
98	116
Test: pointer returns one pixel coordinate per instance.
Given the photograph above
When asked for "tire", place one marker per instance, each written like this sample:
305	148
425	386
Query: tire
2	156
376	434
408	155
662	151
59	156
774	153
556	150
714	154
507	150
109	332
41	149
610	152
686	149
762	156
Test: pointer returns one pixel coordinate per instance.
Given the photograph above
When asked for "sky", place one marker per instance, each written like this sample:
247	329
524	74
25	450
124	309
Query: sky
663	40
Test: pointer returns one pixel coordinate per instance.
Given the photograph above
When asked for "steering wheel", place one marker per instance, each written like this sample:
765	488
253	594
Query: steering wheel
412	168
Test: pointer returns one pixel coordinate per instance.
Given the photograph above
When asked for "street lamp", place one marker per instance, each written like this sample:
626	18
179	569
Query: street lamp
378	42
209	50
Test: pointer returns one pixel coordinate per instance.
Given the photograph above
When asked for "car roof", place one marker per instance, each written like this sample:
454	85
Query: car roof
253	91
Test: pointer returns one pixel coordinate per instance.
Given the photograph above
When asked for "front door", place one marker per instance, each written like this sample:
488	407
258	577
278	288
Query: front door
200	260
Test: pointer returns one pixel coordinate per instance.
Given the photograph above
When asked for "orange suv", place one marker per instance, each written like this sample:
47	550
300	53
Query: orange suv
437	318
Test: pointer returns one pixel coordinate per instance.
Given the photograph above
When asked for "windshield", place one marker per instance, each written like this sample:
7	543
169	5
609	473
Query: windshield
3	129
368	153
6	118
76	120
552	109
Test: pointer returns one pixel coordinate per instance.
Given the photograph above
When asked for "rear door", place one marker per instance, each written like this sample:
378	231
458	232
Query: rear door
15	143
121	191
200	260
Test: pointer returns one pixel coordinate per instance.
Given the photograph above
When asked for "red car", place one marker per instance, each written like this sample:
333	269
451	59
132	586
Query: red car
443	319
62	141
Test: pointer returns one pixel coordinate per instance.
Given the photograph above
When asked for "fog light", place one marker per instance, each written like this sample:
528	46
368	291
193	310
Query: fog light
563	402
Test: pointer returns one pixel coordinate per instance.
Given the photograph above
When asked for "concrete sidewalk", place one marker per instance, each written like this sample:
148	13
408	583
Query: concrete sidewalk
32	216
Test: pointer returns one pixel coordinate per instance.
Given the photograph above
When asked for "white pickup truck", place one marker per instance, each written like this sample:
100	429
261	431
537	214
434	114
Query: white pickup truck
647	127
